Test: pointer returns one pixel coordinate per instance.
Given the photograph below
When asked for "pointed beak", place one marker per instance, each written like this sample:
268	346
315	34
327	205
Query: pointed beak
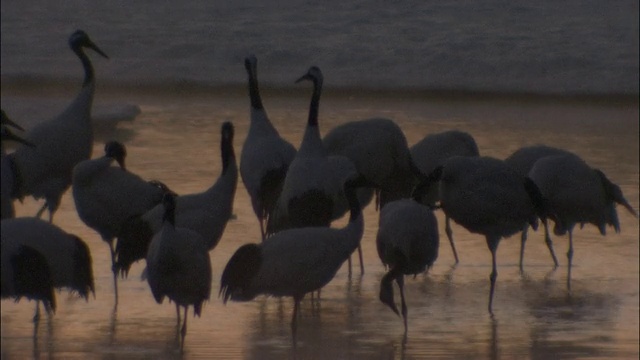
303	77
386	292
8	135
97	49
629	208
7	121
121	163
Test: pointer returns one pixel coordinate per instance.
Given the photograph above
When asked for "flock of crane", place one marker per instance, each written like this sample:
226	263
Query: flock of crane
295	194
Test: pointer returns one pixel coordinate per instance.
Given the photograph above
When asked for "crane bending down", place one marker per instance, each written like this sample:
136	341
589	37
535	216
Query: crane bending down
293	262
487	197
107	196
68	257
522	161
407	242
26	273
432	151
45	170
577	193
378	150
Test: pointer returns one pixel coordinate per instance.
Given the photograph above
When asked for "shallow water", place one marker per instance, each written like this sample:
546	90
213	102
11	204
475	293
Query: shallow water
176	139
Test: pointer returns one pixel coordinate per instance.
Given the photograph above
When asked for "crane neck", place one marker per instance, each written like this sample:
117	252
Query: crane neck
89	75
355	211
228	154
254	91
169	215
311	141
315	103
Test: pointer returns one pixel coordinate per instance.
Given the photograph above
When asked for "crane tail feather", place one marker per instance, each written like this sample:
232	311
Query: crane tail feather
238	273
83	271
132	244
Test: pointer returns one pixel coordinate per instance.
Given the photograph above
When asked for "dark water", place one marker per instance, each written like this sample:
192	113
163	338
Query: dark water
568	47
176	139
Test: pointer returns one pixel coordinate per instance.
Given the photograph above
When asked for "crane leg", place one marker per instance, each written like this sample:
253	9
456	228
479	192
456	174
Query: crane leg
114	270
36	316
547	240
360	258
41	211
493	247
570	258
447	229
262	233
183	331
523	241
294	318
178	316
400	281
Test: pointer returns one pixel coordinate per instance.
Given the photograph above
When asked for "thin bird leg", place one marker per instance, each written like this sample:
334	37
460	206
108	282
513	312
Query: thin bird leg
178	315
113	269
400	281
262	233
294	318
36	316
493	246
360	257
570	258
547	240
41	211
447	229
50	216
183	332
523	240
43	208
349	263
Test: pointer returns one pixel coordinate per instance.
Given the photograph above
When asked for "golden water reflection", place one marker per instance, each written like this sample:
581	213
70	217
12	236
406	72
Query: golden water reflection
177	142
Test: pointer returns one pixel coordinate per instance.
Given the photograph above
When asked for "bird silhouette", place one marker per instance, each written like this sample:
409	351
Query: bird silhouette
206	213
68	257
378	149
407	242
45	170
293	262
178	265
26	273
487	197
577	194
107	196
522	160
313	184
432	151
265	157
7	165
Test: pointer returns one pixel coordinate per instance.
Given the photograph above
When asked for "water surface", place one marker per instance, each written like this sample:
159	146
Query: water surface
176	139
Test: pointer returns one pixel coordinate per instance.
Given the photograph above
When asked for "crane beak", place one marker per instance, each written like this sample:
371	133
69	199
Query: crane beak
386	292
121	163
97	49
304	77
629	208
9	122
8	135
